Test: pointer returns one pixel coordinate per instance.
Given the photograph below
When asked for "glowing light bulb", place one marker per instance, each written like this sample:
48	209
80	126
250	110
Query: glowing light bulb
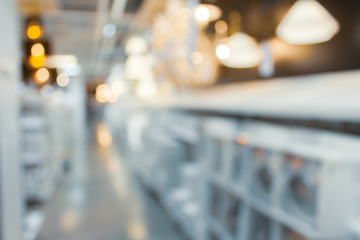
42	75
34	32
202	14
221	26
207	13
222	51
244	52
37	62
62	80
37	50
102	93
103	135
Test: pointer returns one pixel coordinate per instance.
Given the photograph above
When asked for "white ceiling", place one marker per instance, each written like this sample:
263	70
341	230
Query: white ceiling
75	27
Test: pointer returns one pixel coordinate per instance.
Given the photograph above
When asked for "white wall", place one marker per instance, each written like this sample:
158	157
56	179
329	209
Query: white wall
10	56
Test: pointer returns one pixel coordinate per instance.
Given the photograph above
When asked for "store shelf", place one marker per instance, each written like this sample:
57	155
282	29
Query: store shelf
252	164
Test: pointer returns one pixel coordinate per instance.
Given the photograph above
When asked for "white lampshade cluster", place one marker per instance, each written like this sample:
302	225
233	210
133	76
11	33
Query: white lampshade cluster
307	22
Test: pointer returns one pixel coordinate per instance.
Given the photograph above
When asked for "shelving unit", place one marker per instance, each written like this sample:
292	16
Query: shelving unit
300	191
46	144
245	174
261	157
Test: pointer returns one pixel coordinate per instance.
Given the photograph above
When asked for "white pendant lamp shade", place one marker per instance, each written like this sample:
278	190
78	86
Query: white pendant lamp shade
307	22
244	52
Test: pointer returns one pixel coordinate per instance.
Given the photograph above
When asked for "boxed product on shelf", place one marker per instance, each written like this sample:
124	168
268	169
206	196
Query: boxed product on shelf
45	143
233	215
301	177
263	174
259	226
242	179
315	173
215	202
293	176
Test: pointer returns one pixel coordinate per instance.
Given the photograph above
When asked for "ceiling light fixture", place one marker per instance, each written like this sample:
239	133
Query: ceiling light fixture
63	80
222	51
243	52
37	50
207	13
307	22
42	75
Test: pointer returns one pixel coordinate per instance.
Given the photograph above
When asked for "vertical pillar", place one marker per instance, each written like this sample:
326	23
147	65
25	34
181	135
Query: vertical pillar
77	102
10	184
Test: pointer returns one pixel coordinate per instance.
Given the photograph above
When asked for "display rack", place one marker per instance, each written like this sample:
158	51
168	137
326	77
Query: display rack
250	179
46	145
274	160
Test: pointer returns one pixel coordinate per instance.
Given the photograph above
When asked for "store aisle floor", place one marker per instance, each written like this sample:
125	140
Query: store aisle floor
100	200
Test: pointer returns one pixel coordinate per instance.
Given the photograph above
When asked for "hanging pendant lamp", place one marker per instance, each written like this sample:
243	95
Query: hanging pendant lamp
307	22
239	51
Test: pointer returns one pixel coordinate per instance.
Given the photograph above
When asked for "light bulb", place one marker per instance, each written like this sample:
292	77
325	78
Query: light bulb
222	51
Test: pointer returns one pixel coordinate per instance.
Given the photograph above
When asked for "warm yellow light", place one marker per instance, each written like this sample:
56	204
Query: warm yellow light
37	62
42	75
222	51
102	90
103	93
62	80
307	22
207	13
103	136
37	50
282	50
243	139
196	57
34	32
202	14
100	99
221	27
112	98
244	52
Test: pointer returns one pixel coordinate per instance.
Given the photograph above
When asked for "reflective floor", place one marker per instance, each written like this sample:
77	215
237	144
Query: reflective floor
100	200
